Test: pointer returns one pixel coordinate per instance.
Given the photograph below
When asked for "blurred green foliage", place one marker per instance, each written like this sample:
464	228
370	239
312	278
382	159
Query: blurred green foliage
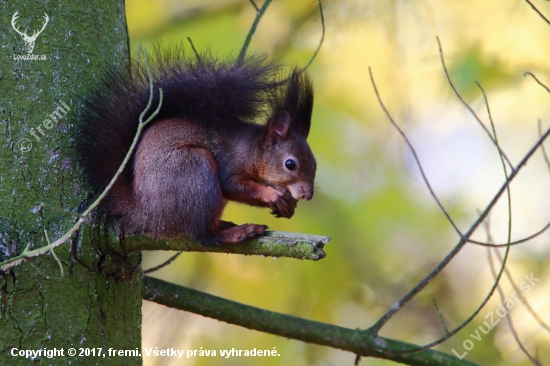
387	232
471	66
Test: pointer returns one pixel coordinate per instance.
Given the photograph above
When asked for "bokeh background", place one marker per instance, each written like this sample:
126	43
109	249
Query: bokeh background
387	232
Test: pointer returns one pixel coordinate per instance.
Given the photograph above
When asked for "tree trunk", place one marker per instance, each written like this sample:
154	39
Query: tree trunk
96	303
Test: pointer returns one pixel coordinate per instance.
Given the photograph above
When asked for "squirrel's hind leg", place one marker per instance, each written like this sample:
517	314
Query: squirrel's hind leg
238	234
178	192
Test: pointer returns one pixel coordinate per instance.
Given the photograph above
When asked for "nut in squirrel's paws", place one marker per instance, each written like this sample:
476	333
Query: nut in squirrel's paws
284	204
288	212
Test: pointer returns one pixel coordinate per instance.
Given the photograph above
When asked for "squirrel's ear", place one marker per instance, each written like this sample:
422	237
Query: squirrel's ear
277	128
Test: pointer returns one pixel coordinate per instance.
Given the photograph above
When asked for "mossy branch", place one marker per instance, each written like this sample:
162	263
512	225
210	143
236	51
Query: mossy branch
273	244
357	341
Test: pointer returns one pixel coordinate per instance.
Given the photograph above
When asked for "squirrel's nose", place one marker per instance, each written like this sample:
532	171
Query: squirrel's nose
301	191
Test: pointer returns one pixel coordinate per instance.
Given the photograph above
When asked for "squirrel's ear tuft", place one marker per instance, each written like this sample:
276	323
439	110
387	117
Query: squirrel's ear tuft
292	104
277	128
303	87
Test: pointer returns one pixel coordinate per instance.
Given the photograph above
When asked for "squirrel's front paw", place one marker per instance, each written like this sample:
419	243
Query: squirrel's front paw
282	204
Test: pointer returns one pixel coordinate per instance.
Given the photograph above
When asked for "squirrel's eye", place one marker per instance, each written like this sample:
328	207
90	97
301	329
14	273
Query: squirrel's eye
290	164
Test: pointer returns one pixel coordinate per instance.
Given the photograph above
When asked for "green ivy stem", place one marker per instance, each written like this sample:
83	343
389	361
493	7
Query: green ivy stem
14	261
53	254
259	13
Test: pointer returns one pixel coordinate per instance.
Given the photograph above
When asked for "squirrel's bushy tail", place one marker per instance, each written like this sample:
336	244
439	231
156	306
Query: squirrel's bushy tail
196	87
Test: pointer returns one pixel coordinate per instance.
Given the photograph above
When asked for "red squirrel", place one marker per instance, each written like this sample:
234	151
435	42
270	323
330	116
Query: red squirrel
205	146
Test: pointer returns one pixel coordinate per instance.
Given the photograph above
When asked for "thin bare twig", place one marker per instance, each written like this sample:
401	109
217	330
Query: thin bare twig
260	12
464	238
538	11
464	102
502	158
194	49
509	317
484	215
322	36
254	5
513	242
547	163
542	147
503	261
541	322
413	151
537	80
160	266
38	271
441	317
487	227
42	204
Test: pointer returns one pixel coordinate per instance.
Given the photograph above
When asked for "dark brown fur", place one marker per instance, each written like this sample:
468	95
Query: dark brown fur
203	148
